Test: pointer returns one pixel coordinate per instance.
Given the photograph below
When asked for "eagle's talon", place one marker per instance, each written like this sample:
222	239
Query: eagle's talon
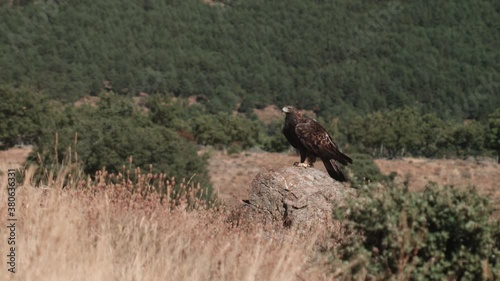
296	164
304	165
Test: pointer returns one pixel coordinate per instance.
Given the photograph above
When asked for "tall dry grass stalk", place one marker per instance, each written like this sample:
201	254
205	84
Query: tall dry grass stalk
99	231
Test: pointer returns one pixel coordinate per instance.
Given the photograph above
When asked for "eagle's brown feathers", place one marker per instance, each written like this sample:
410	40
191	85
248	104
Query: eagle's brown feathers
312	140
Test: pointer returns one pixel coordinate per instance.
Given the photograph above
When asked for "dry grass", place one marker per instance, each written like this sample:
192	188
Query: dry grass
14	158
484	174
100	231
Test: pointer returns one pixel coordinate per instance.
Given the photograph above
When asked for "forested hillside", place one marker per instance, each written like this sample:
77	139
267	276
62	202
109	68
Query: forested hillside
331	56
139	113
386	78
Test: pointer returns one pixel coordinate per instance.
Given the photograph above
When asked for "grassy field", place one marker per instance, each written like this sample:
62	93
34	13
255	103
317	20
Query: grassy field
103	233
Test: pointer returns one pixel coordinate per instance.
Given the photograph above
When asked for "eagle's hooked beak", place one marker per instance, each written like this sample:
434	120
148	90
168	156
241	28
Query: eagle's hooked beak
285	109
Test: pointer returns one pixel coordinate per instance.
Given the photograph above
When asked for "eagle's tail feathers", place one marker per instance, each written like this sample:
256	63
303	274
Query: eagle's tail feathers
342	158
334	170
346	158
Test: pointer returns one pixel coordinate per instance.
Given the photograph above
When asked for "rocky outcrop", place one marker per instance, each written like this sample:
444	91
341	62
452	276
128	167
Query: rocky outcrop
295	196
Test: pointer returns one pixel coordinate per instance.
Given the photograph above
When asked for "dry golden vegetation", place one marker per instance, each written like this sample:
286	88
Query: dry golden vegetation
14	158
482	173
99	230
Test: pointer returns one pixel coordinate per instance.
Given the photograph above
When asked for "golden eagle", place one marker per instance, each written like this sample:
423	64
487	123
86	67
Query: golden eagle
312	140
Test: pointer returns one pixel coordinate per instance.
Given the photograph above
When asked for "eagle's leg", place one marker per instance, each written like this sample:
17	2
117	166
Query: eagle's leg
310	160
303	157
306	160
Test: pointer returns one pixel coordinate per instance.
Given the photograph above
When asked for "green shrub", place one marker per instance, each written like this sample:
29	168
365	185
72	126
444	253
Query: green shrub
274	140
493	135
440	233
364	170
107	136
23	113
223	129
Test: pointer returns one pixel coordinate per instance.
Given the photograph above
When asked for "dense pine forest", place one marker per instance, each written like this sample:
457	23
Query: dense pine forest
388	78
330	56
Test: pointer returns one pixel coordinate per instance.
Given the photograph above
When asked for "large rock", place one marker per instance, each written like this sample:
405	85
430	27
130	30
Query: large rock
295	196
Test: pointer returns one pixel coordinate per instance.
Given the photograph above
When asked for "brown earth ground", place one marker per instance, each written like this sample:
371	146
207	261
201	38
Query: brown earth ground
232	174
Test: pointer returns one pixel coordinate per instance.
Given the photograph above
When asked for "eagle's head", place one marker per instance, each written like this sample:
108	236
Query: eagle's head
289	109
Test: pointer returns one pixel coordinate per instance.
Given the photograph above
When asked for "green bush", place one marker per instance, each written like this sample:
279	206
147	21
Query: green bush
173	114
406	132
223	129
107	136
466	139
274	140
441	233
493	132
23	113
364	171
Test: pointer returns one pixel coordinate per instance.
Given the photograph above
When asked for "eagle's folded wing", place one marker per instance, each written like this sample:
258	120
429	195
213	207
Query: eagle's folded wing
317	140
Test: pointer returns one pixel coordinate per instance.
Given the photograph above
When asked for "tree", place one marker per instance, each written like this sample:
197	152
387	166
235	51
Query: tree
352	127
493	139
22	112
378	133
224	129
467	138
113	132
433	137
238	53
274	139
176	115
403	132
